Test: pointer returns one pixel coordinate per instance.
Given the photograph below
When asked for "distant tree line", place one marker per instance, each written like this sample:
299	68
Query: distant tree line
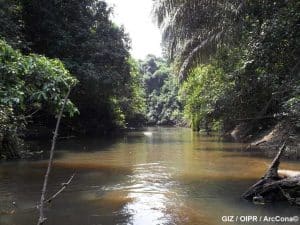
163	105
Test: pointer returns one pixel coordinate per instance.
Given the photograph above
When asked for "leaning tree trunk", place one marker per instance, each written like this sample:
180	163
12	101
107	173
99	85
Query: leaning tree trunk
271	187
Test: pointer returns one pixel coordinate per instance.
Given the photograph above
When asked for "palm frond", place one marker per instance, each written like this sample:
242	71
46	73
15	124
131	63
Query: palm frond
193	29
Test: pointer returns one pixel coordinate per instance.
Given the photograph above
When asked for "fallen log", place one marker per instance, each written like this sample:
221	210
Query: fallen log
274	186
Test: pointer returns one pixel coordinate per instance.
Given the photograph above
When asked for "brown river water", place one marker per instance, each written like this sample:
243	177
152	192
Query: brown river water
156	176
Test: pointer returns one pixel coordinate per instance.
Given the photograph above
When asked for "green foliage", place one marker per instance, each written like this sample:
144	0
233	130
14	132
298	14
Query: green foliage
251	68
193	30
29	84
11	24
161	88
29	81
133	103
93	49
202	93
292	106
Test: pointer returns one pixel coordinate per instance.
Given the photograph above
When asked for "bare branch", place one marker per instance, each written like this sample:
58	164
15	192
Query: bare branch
42	218
273	170
64	186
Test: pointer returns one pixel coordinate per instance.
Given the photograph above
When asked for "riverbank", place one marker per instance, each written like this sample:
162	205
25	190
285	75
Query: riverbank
270	139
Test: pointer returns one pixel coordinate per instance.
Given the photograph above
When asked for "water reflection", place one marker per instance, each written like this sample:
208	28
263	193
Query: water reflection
150	187
157	176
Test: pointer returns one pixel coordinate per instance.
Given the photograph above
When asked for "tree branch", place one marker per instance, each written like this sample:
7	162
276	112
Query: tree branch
42	218
273	169
64	186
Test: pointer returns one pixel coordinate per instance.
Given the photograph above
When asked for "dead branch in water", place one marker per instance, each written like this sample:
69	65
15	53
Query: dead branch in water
42	218
272	187
64	186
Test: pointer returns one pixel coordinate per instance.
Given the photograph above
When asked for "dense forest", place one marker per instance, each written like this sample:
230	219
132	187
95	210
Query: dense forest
48	47
159	139
227	65
161	87
238	62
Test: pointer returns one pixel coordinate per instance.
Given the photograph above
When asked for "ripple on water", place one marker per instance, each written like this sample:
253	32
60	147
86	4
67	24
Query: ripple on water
172	177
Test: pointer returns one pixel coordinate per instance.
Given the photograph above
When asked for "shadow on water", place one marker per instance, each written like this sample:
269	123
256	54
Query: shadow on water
153	176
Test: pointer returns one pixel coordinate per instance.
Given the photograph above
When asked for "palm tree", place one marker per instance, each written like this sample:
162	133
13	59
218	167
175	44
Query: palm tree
194	29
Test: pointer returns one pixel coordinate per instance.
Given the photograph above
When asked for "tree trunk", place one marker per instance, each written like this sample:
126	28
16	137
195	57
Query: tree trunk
271	187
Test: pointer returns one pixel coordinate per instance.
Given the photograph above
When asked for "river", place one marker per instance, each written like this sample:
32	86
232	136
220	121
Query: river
154	176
